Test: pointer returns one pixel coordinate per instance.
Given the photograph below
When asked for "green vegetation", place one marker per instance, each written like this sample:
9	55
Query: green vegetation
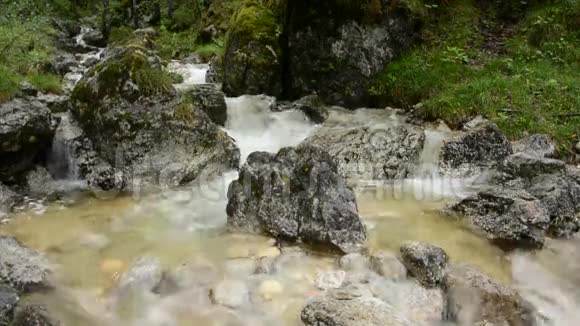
522	75
26	47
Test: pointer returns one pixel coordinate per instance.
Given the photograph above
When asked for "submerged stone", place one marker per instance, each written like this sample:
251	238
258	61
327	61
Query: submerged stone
426	262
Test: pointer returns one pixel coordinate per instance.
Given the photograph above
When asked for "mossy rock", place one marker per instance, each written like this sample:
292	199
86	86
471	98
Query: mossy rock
253	56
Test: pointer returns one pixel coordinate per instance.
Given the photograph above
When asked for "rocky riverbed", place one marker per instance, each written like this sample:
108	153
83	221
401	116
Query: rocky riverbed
127	202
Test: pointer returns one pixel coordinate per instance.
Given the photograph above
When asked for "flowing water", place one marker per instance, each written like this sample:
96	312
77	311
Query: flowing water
91	242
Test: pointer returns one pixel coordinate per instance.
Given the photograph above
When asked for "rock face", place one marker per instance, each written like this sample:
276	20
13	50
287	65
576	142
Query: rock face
252	60
26	129
480	147
372	154
475	299
507	217
296	195
22	268
143	132
358	311
336	48
426	262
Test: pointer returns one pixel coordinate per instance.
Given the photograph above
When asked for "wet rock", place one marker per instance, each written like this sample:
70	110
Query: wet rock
26	129
560	196
353	262
426	262
210	100
73	155
40	184
95	38
351	311
339	57
476	149
330	280
8	200
420	305
55	103
27	89
296	195
523	165
63	63
388	266
33	315
474	123
372	154
311	105
8	300
509	218
230	293
21	267
147	135
475	299
144	274
214	72
538	145
252	59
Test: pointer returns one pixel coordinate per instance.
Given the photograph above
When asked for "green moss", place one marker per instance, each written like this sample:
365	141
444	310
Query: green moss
255	22
45	82
529	84
8	84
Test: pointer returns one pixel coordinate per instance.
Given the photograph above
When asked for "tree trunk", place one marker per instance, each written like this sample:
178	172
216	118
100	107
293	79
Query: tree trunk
170	9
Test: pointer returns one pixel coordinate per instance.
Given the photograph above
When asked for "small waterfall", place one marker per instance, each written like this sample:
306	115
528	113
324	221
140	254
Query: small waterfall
62	163
193	74
256	128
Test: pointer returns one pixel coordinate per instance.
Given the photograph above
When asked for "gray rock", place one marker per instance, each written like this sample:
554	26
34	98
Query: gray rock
420	305
476	149
538	145
524	165
214	72
33	315
330	280
144	274
26	129
64	63
352	310
311	105
560	196
372	154
27	89
388	266
40	184
210	100
509	218
95	38
148	138
21	267
296	195
474	123
426	262
8	300
475	299
8	199
230	293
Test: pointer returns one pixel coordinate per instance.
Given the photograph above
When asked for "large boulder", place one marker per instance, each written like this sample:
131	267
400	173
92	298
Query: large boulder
143	131
473	298
26	129
253	56
478	148
352	310
311	105
210	100
337	48
21	267
296	195
509	218
372	153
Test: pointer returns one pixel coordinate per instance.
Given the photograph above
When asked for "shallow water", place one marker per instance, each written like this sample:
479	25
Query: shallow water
91	242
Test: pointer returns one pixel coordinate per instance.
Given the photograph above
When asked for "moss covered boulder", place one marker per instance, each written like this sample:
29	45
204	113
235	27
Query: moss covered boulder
253	57
146	133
